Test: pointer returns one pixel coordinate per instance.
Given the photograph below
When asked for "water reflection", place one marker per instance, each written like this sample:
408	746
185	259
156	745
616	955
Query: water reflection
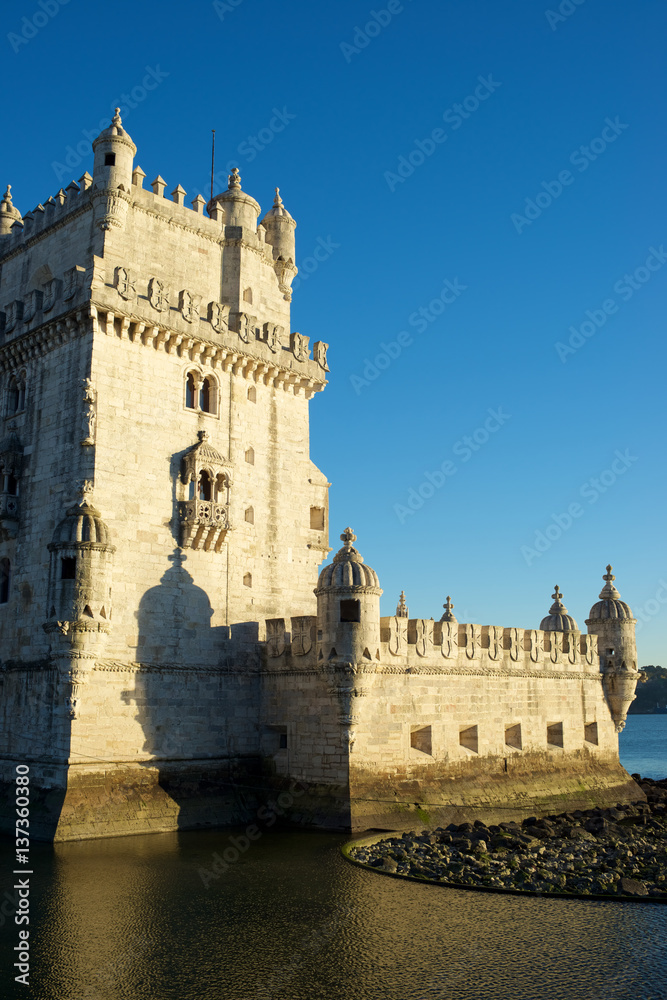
131	919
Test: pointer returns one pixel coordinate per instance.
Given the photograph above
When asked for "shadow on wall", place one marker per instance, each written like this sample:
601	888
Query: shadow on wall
174	619
190	706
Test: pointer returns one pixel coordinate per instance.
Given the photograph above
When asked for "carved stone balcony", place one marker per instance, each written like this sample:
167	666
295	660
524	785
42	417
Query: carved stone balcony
205	524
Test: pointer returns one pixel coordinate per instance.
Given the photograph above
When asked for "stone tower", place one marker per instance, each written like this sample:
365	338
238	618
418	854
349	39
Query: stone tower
157	498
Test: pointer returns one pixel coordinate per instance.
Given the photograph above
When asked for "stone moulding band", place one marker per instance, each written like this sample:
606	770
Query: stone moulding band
500	891
244	363
44	339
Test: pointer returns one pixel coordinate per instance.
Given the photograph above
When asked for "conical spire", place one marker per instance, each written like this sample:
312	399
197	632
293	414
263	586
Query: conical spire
449	611
402	610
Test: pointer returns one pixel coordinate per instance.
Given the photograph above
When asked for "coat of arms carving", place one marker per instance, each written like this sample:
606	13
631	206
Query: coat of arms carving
158	294
302	639
218	316
275	636
125	284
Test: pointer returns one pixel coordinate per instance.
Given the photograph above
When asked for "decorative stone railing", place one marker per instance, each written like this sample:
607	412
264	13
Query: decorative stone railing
204	523
422	640
9	507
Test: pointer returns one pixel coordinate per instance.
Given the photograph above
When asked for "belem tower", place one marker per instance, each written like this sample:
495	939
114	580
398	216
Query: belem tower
169	656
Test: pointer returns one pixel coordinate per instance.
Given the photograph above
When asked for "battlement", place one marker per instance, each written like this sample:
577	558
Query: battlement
419	645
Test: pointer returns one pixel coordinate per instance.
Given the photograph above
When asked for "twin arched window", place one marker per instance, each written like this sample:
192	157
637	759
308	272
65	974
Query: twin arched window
201	393
209	487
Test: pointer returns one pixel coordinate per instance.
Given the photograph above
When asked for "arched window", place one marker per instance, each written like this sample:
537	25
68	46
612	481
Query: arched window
250	515
14	397
207	395
250	456
190	392
204	486
247	295
12	486
247	580
4	580
252	394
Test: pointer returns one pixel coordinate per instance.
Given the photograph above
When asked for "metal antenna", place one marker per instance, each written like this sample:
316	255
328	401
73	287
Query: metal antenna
212	160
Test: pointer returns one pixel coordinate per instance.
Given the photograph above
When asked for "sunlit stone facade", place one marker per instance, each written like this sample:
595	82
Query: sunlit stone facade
168	655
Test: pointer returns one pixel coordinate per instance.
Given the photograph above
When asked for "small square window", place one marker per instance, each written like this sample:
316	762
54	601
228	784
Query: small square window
555	734
469	739
317	518
350	611
282	744
68	568
420	739
591	733
513	737
109	159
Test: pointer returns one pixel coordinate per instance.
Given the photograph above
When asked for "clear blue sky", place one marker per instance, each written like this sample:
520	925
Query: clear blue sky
582	426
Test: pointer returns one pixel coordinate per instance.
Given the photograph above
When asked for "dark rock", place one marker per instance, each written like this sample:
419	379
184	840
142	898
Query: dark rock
578	833
464	828
388	865
632	887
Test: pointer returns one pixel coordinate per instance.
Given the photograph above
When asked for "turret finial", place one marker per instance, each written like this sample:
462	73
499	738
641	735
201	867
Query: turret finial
609	591
277	200
348	537
235	179
117	120
402	608
8	194
557	607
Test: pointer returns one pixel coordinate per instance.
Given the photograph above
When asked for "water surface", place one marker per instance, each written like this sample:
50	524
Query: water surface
133	919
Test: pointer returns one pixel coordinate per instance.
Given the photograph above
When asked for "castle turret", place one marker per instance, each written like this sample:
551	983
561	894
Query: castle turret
558	620
112	174
611	620
114	157
79	593
280	227
348	607
238	208
8	213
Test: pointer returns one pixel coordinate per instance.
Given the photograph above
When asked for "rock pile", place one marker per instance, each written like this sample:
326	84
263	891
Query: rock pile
618	851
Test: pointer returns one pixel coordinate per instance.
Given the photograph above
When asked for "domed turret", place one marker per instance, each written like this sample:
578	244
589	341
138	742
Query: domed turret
348	606
114	157
8	213
611	620
79	598
610	605
558	619
238	208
